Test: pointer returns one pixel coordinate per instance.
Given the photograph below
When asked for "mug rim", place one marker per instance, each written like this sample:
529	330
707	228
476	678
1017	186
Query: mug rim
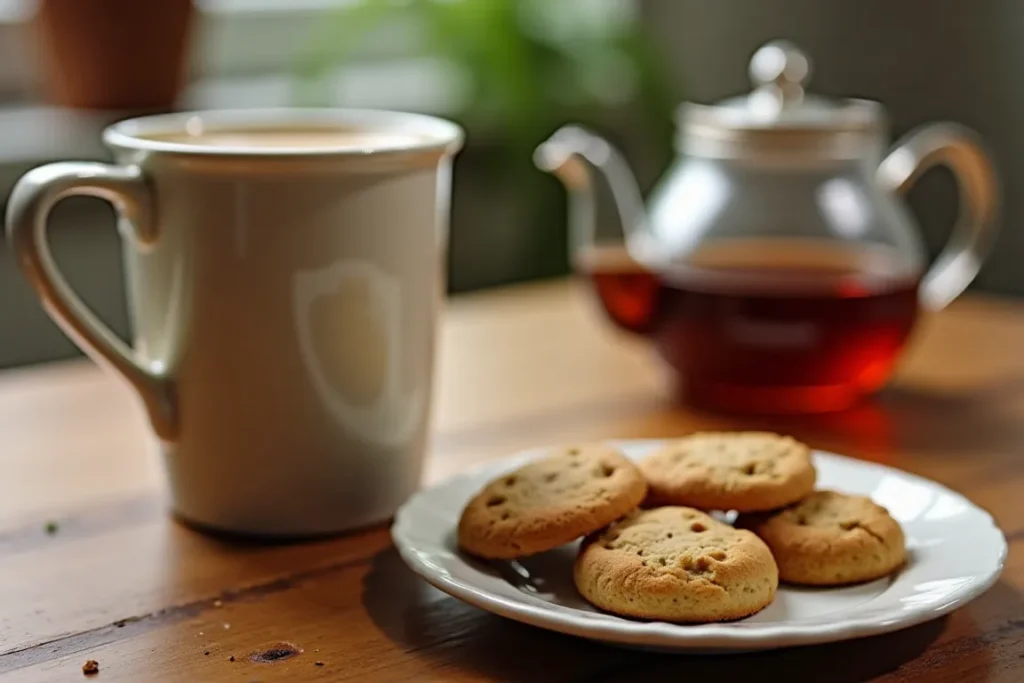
422	133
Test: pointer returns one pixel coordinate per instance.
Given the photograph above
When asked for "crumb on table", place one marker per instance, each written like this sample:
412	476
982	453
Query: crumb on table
91	667
51	527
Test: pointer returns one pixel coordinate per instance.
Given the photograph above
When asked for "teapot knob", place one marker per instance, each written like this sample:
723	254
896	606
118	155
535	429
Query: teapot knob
779	71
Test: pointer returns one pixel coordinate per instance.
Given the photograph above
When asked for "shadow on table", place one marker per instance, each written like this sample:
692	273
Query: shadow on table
952	422
424	620
907	417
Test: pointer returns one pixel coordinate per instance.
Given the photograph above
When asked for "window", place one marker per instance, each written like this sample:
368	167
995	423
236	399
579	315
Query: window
244	53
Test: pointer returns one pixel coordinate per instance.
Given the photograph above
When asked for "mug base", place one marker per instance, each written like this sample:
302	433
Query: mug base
234	534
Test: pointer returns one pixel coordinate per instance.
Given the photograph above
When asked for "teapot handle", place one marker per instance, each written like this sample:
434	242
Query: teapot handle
958	148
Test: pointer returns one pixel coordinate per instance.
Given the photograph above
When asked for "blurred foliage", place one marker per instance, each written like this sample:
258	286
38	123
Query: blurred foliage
528	65
525	68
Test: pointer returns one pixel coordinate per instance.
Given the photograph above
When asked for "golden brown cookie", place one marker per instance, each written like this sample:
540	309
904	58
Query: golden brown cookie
676	564
570	493
744	471
831	539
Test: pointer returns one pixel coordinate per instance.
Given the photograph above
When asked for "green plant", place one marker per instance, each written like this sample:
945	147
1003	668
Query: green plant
529	65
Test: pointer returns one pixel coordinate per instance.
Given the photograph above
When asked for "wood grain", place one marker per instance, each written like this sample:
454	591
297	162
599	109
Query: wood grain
121	583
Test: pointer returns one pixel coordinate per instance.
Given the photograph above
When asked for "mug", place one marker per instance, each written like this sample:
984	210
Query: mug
284	270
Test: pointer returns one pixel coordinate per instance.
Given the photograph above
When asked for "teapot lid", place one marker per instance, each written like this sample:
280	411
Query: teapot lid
779	118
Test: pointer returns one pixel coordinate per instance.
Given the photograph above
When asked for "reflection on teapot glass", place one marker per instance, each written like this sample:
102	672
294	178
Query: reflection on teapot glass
801	324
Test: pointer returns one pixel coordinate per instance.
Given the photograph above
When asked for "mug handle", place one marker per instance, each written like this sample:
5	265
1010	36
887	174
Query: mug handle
28	209
958	148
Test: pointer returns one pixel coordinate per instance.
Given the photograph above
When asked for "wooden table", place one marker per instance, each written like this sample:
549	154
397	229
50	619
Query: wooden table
151	601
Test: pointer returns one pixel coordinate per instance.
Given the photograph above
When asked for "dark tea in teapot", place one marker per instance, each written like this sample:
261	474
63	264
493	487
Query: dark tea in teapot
770	326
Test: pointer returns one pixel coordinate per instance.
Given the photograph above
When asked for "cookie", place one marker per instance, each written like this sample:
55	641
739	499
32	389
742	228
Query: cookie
676	564
831	539
570	493
744	471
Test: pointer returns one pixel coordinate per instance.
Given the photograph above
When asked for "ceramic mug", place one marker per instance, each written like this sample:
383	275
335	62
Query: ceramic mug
285	270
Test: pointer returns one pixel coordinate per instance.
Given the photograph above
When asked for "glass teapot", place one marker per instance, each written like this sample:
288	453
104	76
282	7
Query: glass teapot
776	268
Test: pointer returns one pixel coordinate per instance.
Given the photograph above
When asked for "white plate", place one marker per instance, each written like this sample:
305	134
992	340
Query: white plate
956	553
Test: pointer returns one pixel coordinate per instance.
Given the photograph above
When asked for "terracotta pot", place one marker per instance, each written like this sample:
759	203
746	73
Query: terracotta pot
114	54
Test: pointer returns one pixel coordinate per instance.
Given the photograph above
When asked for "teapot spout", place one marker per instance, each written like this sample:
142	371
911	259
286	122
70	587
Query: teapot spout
573	154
